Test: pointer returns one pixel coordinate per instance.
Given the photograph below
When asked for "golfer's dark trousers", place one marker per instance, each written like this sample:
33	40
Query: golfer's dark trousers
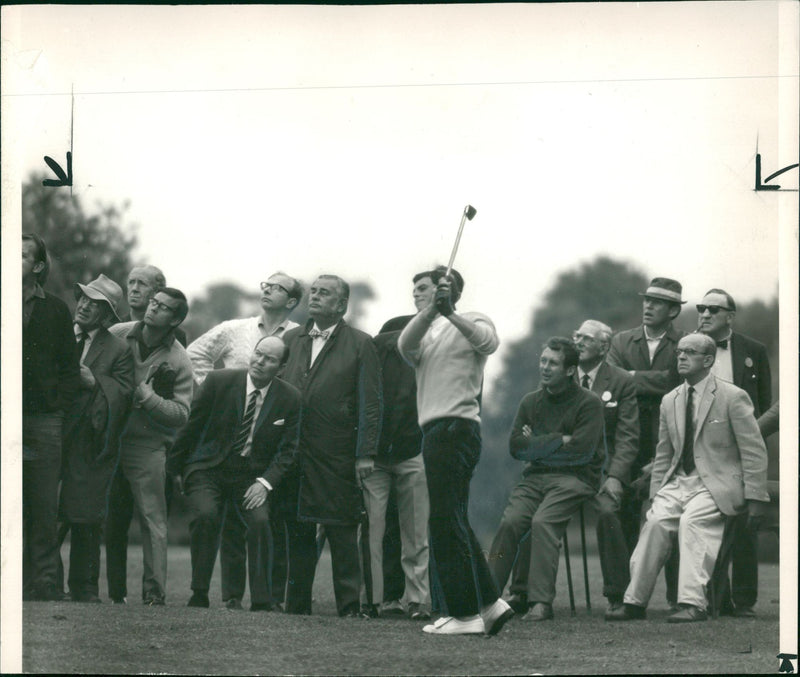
84	559
451	448
345	562
41	469
207	492
394	578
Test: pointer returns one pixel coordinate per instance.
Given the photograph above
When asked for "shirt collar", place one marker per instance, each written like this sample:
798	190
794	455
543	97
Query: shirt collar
89	334
251	387
138	328
592	374
699	387
330	329
282	326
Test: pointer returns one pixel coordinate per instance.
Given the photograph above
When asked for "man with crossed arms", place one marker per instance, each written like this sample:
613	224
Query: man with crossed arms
710	463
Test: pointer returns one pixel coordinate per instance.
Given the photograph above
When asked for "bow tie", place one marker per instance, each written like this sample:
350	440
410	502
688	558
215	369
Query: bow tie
723	344
316	333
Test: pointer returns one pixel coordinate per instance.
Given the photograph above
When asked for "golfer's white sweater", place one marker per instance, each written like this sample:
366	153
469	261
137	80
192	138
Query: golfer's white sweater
449	366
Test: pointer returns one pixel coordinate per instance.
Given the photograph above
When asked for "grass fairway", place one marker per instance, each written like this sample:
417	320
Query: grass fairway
65	637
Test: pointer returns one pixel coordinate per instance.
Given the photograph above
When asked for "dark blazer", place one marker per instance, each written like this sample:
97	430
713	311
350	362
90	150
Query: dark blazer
751	371
206	439
92	430
50	372
729	451
652	380
401	437
341	419
615	389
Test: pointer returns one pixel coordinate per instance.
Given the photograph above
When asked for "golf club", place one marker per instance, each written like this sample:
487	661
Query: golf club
469	213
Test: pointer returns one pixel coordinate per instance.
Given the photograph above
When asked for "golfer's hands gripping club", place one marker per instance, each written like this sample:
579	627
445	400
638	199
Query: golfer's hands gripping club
443	298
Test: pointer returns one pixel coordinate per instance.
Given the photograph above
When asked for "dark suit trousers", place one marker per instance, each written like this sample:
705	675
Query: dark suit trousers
207	492
744	556
451	448
41	469
84	559
345	562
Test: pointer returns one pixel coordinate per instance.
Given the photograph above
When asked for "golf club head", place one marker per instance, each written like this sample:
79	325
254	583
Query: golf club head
470	211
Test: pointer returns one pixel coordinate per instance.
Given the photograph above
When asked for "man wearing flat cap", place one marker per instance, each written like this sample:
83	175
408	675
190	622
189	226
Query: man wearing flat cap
92	430
647	352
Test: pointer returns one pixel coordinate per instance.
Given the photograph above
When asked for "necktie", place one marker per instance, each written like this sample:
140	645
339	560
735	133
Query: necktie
316	333
723	344
585	381
687	456
245	425
80	337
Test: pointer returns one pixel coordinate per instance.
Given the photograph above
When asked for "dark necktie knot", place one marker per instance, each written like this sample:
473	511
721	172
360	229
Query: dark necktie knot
723	344
585	381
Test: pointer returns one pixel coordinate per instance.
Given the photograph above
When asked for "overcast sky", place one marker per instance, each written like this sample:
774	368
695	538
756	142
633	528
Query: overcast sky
349	139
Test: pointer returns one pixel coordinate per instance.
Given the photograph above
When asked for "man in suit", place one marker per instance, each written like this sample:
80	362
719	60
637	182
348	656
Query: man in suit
92	431
710	463
336	369
50	385
231	342
161	400
648	354
239	443
742	361
616	391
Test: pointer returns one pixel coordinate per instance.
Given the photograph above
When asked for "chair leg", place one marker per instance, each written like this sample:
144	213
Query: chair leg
585	563
569	575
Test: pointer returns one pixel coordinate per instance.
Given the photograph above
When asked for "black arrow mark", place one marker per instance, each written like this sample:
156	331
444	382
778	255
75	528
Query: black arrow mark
63	179
762	185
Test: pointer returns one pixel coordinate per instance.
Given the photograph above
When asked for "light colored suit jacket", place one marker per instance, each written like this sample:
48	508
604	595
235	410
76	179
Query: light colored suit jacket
729	451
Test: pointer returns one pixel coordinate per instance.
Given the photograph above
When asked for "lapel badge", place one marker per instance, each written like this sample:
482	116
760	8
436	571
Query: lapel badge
606	396
748	362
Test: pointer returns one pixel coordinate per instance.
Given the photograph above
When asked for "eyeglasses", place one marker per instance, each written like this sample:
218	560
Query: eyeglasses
577	336
272	286
711	309
689	352
160	306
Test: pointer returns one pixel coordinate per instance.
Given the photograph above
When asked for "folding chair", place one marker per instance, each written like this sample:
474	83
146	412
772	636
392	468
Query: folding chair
585	567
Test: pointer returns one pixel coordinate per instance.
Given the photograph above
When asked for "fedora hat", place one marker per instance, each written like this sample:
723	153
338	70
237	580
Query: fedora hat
665	289
101	289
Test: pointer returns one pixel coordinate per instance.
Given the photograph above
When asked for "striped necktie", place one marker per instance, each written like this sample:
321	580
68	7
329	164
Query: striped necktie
246	424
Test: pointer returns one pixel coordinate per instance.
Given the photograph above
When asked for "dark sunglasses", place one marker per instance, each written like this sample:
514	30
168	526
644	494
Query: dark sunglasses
711	309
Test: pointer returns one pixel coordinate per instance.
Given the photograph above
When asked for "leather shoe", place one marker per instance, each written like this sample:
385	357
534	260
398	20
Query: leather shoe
744	612
234	603
539	612
89	597
153	600
199	599
394	608
613	607
518	602
263	606
688	614
417	612
119	600
627	612
369	610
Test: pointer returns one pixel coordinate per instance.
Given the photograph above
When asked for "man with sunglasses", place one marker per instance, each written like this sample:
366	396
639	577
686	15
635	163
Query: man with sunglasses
232	343
161	399
710	463
648	354
742	361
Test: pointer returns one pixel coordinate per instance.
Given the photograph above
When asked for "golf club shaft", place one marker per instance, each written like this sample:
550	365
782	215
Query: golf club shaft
455	244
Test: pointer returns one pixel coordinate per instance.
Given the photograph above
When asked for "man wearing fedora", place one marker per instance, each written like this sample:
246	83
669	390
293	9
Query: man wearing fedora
647	352
160	407
92	430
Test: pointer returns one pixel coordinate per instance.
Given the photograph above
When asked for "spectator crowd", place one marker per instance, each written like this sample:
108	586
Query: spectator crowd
282	437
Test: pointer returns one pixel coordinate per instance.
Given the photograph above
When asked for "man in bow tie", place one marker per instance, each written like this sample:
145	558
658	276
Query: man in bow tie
742	361
616	391
92	431
710	463
239	444
336	369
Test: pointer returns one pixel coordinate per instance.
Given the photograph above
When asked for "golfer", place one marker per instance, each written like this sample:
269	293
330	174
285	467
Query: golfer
449	351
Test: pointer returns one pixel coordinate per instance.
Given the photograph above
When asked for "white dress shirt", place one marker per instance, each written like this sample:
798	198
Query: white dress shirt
318	342
248	446
723	363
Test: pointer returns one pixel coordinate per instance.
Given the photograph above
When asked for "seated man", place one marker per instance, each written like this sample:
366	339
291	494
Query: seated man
240	441
559	431
710	462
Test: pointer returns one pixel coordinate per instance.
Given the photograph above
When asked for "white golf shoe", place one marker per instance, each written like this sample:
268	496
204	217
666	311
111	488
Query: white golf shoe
447	625
495	616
